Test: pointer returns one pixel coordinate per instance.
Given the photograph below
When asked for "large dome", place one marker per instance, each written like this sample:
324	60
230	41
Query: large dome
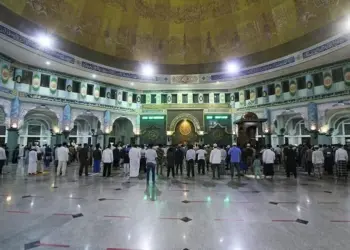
185	36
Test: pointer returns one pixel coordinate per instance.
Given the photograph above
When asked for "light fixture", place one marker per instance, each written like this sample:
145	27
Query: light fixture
132	84
313	127
266	130
66	128
169	133
14	125
56	129
8	198
147	70
217	82
93	76
48	62
45	40
232	67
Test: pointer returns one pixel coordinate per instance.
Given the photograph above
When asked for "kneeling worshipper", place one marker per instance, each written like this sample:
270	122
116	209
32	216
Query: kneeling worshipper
135	156
32	161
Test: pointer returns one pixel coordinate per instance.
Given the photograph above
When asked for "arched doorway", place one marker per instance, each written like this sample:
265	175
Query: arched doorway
82	130
297	132
122	131
36	127
185	133
341	133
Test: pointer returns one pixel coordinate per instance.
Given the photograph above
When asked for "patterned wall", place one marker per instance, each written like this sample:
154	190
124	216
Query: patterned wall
180	31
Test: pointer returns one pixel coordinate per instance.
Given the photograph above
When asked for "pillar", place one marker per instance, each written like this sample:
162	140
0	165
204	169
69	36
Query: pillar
53	140
314	137
105	139
137	139
94	140
12	141
169	140
59	138
267	138
324	139
280	140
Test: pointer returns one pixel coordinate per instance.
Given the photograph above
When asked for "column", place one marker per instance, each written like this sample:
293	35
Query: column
12	141
314	137
280	140
94	140
53	140
59	138
324	139
137	139
105	139
268	139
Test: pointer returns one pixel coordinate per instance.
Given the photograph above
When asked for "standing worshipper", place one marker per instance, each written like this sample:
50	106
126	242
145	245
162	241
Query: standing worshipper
308	160
201	159
215	160
207	156
84	160
278	153
248	155
179	156
48	156
268	160
2	157
107	159
151	156
62	157
290	158
116	157
143	159
328	159
39	153
171	161
160	159
97	155
33	158
257	167
190	158
318	161
223	158
135	157
126	161
15	155
235	158
341	161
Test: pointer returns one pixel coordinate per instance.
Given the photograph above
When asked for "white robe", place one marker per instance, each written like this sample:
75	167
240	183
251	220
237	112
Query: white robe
135	156
32	162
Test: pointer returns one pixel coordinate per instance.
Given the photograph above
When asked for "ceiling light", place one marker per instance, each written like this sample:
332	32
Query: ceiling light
217	82
132	84
45	41
93	76
232	67
48	62
147	70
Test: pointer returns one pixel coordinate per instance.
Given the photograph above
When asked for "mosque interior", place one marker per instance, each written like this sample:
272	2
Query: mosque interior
174	72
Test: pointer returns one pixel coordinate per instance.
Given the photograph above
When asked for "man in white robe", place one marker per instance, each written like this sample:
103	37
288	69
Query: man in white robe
32	162
135	156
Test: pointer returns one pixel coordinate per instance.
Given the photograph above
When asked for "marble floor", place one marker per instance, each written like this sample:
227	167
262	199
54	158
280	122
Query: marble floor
95	213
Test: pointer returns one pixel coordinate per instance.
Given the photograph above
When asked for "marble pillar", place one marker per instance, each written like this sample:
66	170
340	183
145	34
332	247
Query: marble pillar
59	138
53	140
105	139
94	140
137	139
280	140
267	138
12	141
314	137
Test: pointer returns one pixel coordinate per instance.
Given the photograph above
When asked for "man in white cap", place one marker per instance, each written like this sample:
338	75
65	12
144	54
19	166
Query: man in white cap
215	160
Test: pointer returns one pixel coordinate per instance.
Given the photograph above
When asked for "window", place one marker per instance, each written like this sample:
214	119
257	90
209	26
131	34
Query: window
143	99
134	98
113	93
285	86
61	84
216	98
174	98
259	91
90	89
125	96
247	94
153	98
236	97
45	81
102	91
205	98
338	75
318	79
301	82
184	98
227	98
76	87
271	89
195	98
27	77
164	98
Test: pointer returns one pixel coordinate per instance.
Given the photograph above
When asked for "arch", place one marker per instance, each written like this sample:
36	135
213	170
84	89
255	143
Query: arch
297	116
133	122
332	120
28	109
123	130
184	116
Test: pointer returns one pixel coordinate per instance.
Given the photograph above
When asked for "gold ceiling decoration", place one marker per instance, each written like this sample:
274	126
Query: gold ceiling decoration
180	31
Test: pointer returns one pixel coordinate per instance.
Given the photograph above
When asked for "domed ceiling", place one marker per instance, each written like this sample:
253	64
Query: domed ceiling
179	33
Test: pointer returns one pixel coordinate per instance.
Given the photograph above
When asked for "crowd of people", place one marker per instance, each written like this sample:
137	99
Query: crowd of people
220	160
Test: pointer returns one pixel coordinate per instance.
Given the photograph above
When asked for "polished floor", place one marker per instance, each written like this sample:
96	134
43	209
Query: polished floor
95	213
